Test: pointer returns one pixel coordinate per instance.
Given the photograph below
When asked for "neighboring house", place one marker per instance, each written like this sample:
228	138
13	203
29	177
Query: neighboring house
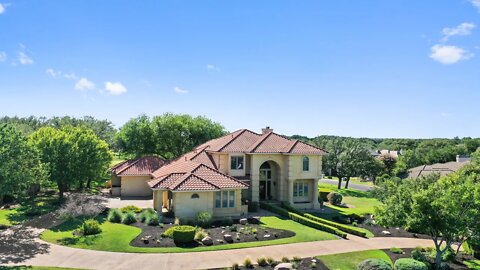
222	175
385	152
440	168
129	178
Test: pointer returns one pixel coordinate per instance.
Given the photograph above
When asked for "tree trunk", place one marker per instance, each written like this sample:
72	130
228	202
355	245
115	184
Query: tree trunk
1	199
347	181
339	182
89	183
438	258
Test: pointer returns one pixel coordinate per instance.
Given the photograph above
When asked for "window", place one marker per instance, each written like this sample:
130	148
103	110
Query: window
300	189
195	196
225	199
236	162
306	164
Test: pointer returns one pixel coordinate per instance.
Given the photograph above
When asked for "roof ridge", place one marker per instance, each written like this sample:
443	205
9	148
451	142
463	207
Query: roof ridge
321	149
293	145
226	175
233	139
259	142
133	163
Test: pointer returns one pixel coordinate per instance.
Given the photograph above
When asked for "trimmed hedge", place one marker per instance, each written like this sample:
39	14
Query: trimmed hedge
183	234
336	225
409	264
303	220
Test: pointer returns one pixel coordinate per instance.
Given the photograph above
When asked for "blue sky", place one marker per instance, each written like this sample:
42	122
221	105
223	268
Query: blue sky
356	68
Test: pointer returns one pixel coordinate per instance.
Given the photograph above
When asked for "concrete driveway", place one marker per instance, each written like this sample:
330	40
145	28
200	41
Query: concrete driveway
119	202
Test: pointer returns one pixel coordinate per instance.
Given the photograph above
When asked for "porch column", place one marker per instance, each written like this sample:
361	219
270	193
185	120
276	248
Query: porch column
254	185
290	191
316	204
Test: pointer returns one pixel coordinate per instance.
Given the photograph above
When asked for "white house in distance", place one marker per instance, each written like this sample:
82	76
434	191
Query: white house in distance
221	175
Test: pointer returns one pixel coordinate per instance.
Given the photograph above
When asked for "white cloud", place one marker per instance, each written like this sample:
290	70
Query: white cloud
447	55
115	88
2	8
3	56
84	84
180	90
24	59
476	3
54	73
70	76
463	29
213	67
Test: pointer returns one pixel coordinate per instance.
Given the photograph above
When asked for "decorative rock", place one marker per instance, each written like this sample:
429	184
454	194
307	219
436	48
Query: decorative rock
228	238
266	236
284	266
254	220
386	233
243	221
223	231
314	260
207	241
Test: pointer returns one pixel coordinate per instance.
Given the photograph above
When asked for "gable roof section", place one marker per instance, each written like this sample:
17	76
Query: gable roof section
441	168
141	166
246	141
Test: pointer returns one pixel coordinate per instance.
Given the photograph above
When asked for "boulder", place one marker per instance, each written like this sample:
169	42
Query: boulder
283	266
228	238
386	233
207	241
266	236
254	220
243	221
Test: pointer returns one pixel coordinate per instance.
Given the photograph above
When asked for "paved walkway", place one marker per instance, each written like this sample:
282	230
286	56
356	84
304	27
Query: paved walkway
61	256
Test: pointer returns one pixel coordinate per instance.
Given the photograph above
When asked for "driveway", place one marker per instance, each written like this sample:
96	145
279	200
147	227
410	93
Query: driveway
61	256
119	202
351	185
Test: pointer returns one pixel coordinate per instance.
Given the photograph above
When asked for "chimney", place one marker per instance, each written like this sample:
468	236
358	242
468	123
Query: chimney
266	130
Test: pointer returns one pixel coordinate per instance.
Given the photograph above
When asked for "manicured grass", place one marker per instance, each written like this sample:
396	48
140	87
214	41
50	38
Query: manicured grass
354	180
117	237
362	202
29	209
349	261
473	264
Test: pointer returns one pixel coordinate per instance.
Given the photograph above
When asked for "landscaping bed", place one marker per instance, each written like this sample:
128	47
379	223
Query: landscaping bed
151	236
298	264
378	231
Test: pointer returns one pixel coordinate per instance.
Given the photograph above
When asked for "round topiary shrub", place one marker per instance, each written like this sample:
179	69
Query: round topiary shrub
335	198
374	264
114	216
183	234
90	227
129	218
409	264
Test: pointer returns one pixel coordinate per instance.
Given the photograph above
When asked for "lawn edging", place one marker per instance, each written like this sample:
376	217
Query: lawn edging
303	220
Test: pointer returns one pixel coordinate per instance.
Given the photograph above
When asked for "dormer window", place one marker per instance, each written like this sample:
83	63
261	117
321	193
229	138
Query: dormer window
306	164
236	162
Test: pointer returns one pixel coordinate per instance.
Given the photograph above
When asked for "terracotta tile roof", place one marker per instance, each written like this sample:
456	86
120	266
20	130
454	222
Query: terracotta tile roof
246	141
200	177
141	166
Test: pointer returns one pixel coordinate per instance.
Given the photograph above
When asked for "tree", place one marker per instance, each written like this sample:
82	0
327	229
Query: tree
20	166
447	209
73	154
406	161
136	137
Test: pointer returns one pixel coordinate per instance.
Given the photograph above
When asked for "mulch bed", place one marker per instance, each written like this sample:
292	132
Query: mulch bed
394	232
216	232
407	253
304	264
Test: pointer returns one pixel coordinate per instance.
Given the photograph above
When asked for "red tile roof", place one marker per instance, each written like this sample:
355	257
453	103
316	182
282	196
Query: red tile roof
141	166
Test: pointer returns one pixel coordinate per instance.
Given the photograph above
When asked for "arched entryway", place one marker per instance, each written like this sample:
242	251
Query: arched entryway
268	175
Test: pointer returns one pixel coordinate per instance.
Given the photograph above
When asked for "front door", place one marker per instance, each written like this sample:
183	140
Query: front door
265	184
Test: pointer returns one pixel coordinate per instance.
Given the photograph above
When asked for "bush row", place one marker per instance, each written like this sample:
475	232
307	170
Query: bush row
339	226
303	220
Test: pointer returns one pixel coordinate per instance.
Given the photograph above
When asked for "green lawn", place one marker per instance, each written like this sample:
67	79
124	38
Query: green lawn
362	202
349	261
29	209
117	237
354	180
474	264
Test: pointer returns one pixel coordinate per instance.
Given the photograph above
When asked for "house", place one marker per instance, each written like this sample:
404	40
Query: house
388	153
222	175
440	168
129	178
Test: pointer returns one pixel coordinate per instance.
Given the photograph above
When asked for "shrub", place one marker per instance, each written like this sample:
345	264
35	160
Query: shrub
247	263
200	234
270	261
204	219
296	259
418	254
169	232
152	220
235	266
335	198
409	264
262	261
449	255
374	264
233	228
287	206
183	234
177	221
129	218
90	227
339	226
114	216
396	250
131	208
322	196
285	260
228	221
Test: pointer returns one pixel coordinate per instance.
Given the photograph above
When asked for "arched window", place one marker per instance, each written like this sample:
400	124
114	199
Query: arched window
306	164
195	196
